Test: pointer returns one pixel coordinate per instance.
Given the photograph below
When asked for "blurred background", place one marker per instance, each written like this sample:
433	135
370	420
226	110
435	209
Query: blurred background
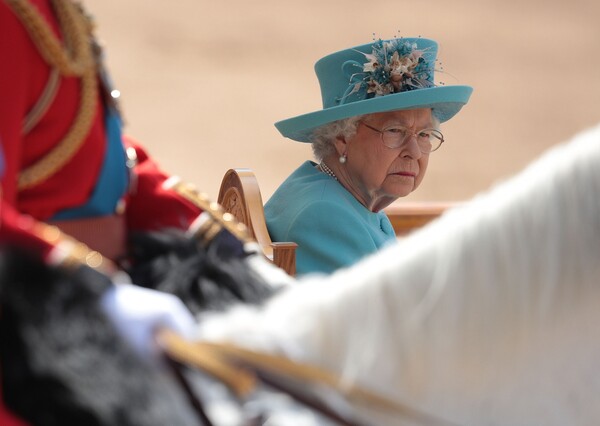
203	82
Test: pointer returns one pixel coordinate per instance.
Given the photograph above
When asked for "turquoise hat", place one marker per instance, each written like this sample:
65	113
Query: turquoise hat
385	75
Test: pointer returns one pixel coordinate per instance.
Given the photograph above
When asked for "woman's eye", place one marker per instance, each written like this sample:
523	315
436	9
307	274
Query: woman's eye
397	131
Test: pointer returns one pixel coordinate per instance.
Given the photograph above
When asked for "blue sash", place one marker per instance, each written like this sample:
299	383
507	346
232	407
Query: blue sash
113	179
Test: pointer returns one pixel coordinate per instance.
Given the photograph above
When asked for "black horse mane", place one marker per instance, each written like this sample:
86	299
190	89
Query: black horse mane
62	360
209	277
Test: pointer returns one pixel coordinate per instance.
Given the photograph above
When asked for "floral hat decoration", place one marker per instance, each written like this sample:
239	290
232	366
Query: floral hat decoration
385	75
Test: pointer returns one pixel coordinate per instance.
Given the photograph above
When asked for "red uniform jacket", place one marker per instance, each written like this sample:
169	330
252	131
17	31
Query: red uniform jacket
23	77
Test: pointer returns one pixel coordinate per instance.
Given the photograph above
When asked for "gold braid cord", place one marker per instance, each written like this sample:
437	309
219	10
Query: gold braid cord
218	220
75	59
74	253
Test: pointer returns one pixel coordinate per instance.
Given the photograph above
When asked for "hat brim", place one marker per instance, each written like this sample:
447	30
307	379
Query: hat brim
445	101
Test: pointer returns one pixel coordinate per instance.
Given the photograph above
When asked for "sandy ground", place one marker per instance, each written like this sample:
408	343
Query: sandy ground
203	82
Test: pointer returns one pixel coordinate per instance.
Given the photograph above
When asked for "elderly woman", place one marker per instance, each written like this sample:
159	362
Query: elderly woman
372	140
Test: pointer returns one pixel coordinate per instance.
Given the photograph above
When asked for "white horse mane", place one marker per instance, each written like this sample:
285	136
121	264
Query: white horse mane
489	315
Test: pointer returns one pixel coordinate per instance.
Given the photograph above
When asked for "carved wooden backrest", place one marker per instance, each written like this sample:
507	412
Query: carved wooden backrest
240	195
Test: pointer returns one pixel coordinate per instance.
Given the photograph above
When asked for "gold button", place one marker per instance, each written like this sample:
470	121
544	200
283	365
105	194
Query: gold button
120	209
51	234
94	259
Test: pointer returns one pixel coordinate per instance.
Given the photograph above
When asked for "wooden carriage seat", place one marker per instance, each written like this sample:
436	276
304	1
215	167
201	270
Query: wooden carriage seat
240	195
407	217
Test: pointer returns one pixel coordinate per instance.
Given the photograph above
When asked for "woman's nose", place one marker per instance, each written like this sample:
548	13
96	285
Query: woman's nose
411	149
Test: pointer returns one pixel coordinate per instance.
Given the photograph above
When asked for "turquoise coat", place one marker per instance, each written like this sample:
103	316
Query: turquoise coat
332	229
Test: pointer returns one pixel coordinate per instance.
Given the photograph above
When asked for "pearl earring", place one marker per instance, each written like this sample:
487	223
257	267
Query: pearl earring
342	158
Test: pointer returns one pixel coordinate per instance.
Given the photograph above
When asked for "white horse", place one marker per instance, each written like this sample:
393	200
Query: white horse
488	316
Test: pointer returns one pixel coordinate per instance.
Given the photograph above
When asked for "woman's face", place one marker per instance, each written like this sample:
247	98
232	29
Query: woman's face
378	175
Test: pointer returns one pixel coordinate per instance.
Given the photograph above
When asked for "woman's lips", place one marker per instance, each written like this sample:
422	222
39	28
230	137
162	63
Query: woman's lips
408	174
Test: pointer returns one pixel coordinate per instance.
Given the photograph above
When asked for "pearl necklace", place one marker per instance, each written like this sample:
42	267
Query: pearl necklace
323	167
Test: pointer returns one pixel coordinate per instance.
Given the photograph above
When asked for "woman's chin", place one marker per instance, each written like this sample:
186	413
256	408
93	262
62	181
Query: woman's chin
399	186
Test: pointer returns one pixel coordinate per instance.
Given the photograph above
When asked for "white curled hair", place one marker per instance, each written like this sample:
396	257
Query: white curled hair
322	138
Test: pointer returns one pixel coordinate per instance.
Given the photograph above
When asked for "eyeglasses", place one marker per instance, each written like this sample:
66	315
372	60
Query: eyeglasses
429	140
